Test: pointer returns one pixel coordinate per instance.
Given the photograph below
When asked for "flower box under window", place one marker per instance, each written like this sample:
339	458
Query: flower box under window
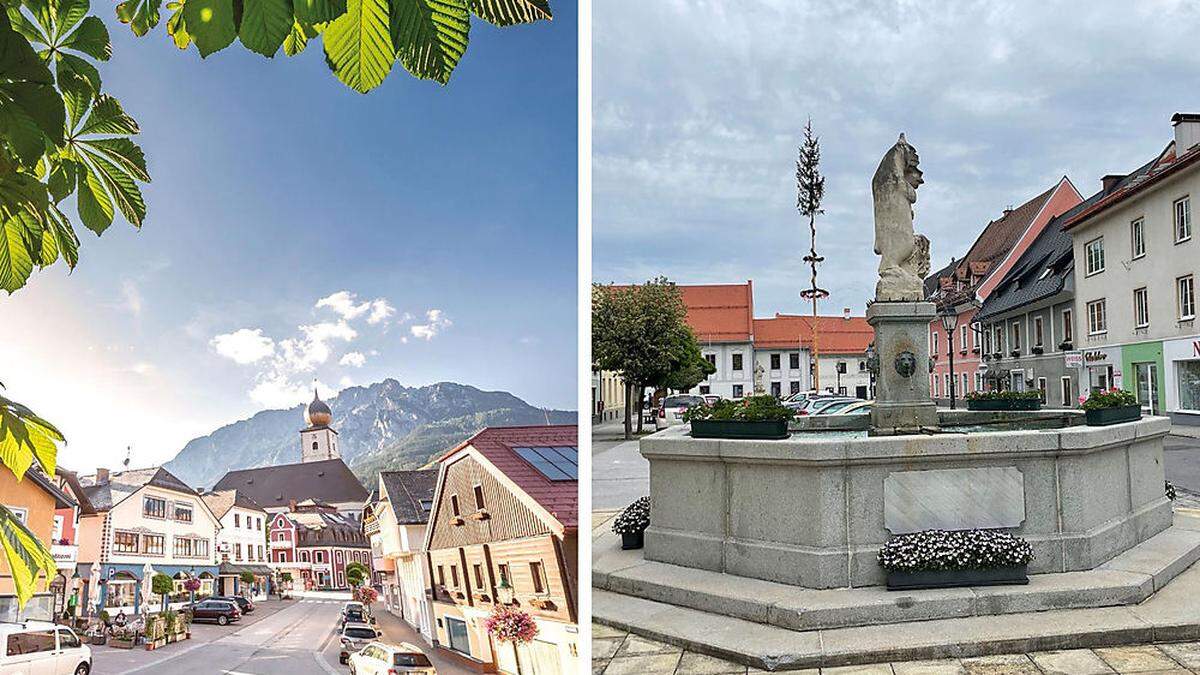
480	515
1038	350
457	520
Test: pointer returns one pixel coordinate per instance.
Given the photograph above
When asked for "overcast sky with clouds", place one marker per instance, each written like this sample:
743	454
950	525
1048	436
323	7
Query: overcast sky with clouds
299	230
699	107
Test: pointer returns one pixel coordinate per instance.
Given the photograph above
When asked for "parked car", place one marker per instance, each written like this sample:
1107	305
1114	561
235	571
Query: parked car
381	658
670	411
244	604
223	612
811	405
858	408
43	648
354	637
359	615
834	406
710	399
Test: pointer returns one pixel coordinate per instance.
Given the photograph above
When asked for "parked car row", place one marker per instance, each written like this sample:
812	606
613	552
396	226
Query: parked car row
672	408
366	654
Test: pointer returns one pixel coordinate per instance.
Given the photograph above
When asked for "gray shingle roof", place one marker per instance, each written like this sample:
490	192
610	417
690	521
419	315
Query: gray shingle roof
406	490
124	483
328	480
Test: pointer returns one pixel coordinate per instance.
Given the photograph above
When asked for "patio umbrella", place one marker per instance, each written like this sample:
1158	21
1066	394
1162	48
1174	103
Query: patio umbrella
93	586
147	585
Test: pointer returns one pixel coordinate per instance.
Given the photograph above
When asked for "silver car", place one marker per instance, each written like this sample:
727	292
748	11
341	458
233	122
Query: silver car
670	411
354	637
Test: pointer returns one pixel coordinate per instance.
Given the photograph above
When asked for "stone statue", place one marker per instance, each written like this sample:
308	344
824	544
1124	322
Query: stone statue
904	256
759	371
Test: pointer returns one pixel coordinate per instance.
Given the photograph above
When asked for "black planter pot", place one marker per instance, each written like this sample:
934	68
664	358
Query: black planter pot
1105	416
1004	404
769	430
632	540
996	576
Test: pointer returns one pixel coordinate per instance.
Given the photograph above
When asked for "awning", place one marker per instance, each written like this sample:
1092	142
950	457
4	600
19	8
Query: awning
233	570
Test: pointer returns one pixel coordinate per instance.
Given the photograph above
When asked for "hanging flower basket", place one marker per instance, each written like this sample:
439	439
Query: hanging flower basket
511	625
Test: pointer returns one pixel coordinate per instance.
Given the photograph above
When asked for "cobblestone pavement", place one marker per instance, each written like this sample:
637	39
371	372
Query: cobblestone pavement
617	653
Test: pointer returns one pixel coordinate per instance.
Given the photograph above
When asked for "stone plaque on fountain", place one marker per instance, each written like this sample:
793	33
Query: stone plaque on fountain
953	499
900	315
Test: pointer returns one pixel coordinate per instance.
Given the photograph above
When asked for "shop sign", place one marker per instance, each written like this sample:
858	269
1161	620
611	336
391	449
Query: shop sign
1095	357
1073	360
1196	348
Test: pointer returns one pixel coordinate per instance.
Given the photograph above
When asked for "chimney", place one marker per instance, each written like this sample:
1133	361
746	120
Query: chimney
1187	131
291	505
846	313
1007	210
1108	182
101	476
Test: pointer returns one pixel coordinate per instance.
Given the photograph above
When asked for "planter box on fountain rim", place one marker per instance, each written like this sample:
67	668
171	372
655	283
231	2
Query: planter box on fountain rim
1004	404
740	429
913	580
1100	417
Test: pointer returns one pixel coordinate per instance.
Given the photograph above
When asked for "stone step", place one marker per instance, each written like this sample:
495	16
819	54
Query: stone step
1169	616
1127	579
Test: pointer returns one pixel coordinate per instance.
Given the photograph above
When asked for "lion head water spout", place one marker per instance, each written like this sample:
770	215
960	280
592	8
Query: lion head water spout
899	314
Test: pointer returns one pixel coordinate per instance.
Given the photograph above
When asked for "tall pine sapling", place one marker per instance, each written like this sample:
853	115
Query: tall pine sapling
810	190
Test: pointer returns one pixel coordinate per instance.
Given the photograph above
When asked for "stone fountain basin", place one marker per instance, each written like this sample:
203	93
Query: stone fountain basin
812	510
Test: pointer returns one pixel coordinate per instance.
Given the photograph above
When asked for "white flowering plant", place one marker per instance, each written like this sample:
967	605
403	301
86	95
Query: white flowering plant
634	519
932	550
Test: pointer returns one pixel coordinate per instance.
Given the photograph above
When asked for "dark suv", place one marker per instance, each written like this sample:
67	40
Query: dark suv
221	611
243	604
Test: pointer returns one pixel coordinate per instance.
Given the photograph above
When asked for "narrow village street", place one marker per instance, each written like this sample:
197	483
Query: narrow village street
291	637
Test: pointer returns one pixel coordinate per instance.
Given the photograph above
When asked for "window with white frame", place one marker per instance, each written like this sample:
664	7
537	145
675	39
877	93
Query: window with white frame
1016	336
1183	220
1064	387
1137	238
1097	317
976	335
1041	383
946	383
978	381
1068	328
1094	255
1038	337
933	343
1141	308
962	338
1185	291
963	382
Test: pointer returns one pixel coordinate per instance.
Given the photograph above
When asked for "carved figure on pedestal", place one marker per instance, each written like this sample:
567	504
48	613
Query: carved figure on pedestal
904	256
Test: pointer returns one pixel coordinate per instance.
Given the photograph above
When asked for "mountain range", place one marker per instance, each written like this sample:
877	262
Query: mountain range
383	426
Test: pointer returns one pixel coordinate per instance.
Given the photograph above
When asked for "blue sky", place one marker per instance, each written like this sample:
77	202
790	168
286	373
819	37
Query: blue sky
699	105
446	214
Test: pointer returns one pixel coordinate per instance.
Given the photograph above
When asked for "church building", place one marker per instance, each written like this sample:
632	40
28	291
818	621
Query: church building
320	476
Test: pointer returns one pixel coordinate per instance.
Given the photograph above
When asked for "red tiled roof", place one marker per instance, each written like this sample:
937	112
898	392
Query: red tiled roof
720	312
1166	165
559	498
835	334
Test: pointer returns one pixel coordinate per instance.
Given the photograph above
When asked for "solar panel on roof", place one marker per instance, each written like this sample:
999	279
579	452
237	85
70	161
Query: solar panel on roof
555	463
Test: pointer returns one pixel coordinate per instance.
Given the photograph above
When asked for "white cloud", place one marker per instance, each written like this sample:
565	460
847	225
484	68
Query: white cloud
343	303
278	391
354	359
435	323
244	345
131	297
345	381
381	309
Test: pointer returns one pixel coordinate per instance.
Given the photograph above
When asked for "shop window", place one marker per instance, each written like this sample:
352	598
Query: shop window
1189	384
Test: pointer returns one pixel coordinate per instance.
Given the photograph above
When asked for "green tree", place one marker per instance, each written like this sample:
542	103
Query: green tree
162	585
357	573
641	333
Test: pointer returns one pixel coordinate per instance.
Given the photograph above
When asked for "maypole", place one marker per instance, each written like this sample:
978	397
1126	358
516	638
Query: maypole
810	189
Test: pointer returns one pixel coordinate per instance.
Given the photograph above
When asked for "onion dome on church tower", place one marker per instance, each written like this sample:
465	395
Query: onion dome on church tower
317	414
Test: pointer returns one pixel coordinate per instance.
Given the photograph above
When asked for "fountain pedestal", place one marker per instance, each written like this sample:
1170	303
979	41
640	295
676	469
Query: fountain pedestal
902	401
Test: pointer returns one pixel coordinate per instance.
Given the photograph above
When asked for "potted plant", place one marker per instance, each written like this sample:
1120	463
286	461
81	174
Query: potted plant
1004	400
754	417
1114	406
1065	346
97	634
945	559
156	631
1037	349
123	637
632	524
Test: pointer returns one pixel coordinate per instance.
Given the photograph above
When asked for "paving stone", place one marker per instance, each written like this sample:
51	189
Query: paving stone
602	631
1139	659
598	666
1186	653
701	664
649	664
635	645
871	669
605	648
1071	662
1003	664
935	667
806	671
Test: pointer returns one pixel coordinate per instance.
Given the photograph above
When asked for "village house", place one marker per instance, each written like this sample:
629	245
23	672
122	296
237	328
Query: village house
395	523
504	531
783	349
34	501
241	543
314	542
146	521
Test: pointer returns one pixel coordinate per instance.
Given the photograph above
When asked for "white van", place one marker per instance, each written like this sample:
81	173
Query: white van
42	648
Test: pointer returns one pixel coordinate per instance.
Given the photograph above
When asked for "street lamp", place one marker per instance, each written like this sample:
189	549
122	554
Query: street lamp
504	592
949	320
872	368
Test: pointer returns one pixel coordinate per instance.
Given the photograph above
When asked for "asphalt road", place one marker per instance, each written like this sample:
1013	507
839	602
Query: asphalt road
1181	457
298	638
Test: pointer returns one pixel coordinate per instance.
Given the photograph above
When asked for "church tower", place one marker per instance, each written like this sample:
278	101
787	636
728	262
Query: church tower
318	441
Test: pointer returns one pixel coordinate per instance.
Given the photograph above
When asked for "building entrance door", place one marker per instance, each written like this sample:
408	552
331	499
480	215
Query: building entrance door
1147	386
